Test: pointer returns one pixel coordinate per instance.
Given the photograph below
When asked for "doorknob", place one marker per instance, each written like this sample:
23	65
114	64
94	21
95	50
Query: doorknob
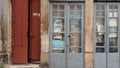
69	35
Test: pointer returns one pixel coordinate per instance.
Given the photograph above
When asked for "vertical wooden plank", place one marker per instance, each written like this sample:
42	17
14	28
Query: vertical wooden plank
89	34
44	32
19	31
34	50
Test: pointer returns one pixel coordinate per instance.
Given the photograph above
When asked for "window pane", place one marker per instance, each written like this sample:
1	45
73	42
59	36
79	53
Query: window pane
100	24
113	22
100	39
58	40
72	7
111	35
79	7
113	29
61	13
115	14
75	40
113	41
113	50
75	50
55	7
55	13
110	14
58	25
100	50
75	14
58	50
75	24
61	7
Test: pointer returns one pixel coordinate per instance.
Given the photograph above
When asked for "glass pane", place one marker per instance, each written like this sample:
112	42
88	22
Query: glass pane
102	7
61	7
100	39
75	24
75	39
102	13
55	13
79	7
115	14
61	13
97	7
113	29
75	14
113	35
58	25
58	50
113	41
100	24
100	50
75	50
111	7
115	7
72	7
113	50
110	14
55	7
98	13
113	22
58	40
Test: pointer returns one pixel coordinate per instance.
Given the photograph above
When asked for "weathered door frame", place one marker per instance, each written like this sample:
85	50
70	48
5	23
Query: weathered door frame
66	54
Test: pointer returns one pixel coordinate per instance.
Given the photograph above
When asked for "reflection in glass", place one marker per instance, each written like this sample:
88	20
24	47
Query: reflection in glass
55	7
58	36
115	14
102	13
100	50
57	50
113	50
58	25
61	7
75	40
110	14
61	13
113	22
100	39
75	24
113	35
75	50
79	7
113	41
75	14
55	13
72	7
98	13
113	29
100	24
97	7
58	40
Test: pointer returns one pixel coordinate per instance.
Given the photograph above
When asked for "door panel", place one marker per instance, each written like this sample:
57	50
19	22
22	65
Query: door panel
34	47
106	39
19	31
66	35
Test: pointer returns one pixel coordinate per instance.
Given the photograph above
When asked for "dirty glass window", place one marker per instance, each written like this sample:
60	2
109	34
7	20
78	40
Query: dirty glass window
100	28
58	28
75	17
106	27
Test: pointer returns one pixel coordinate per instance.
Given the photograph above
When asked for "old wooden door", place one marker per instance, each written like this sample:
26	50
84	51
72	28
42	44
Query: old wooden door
19	30
34	46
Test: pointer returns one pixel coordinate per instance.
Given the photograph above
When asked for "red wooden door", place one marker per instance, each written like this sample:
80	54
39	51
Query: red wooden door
34	51
19	31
